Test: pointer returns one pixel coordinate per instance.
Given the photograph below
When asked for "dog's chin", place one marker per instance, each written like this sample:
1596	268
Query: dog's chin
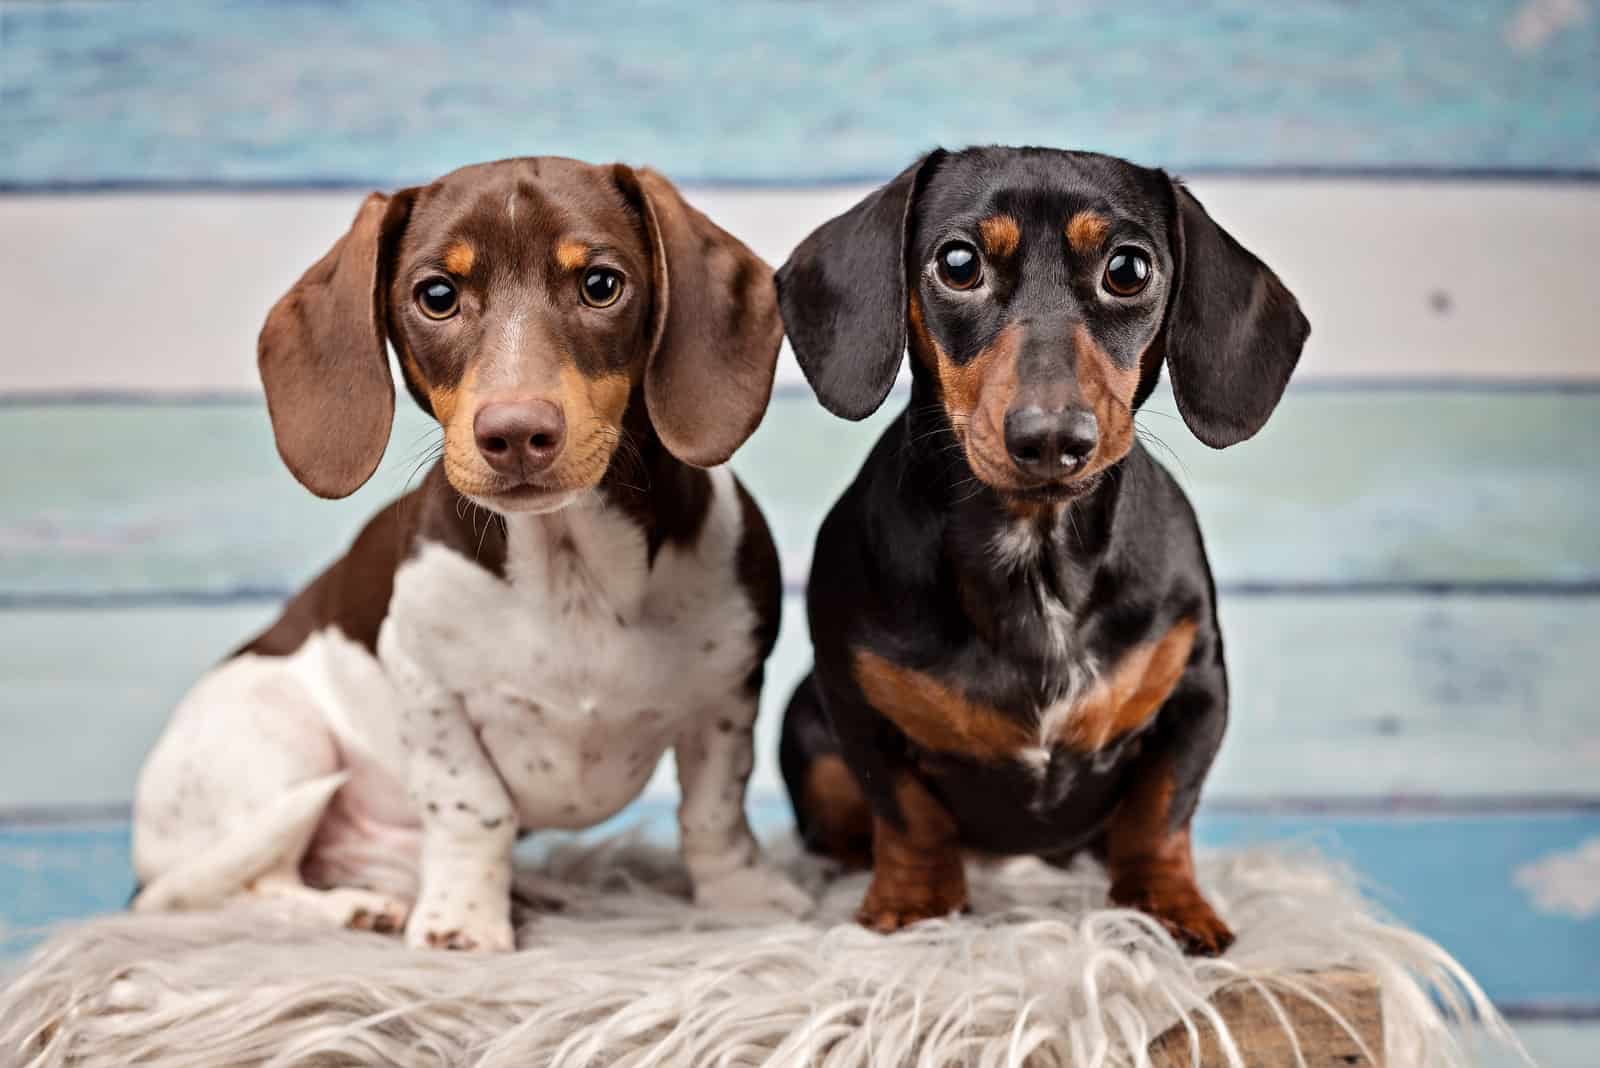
1042	494
526	500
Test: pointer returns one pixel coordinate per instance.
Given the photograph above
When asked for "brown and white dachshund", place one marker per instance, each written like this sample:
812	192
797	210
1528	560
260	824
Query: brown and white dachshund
575	587
1014	621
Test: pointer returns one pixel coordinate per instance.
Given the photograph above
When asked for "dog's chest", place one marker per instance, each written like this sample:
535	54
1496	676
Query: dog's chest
586	660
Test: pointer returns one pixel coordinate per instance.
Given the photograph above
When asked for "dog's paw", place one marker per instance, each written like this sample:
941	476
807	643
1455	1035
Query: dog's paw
757	888
888	916
374	912
1186	915
465	924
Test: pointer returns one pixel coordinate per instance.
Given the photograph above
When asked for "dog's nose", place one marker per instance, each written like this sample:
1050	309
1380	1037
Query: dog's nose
520	437
1047	444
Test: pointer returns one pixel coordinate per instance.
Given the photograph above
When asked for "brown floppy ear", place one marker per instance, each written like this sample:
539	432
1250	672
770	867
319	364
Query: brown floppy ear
715	329
1233	332
324	359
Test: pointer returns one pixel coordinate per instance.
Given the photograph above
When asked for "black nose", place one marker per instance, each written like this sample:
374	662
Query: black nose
520	437
1048	444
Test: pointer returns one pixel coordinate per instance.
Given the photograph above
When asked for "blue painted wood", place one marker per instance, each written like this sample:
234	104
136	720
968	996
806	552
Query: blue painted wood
1392	486
1356	697
270	91
1452	879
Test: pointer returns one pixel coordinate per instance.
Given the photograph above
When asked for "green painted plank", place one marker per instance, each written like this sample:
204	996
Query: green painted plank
1343	487
1358	696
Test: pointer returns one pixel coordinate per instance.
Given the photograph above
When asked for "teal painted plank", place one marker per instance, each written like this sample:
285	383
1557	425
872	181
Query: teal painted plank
1353	696
1552	1045
784	92
1412	869
1342	487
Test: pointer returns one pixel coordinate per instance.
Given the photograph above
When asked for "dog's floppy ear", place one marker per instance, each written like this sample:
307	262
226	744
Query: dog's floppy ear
715	329
324	358
843	294
1233	332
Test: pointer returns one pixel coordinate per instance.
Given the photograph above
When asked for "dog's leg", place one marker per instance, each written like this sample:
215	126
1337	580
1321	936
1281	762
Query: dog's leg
917	872
714	758
359	910
469	826
1147	842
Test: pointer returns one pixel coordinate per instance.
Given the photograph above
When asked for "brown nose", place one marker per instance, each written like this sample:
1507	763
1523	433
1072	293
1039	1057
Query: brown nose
520	437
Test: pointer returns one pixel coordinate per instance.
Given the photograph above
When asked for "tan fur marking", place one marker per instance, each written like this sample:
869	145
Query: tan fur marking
1136	688
1151	863
594	408
1001	235
975	394
1108	390
935	716
840	818
1086	230
459	258
571	255
917	870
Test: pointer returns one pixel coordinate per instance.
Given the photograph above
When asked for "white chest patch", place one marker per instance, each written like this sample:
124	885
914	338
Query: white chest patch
585	662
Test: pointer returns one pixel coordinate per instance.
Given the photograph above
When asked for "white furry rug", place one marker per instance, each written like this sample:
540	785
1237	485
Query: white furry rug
618	970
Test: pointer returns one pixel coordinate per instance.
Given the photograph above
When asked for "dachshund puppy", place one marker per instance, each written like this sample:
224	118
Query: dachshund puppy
574	588
1016	637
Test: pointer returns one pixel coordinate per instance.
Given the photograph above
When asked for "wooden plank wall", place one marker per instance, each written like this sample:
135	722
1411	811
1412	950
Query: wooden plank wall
1409	567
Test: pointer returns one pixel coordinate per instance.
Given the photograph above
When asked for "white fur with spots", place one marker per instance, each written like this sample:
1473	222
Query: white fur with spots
494	707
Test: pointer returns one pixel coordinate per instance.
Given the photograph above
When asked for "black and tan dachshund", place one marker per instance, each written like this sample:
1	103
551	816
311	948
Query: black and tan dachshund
1016	637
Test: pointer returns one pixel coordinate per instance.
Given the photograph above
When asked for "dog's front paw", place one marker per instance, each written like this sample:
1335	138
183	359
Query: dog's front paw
757	888
893	904
1183	911
461	923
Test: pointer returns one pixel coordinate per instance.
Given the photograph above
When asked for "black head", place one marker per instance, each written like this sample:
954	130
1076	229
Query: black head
1040	291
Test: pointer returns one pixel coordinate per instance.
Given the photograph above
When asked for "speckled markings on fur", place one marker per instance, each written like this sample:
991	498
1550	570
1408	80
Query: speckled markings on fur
494	706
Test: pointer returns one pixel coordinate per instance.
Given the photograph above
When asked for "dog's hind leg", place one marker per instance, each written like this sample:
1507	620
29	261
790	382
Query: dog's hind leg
831	812
235	789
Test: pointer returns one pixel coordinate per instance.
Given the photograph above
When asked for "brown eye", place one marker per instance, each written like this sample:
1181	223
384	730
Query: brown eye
437	298
601	287
959	266
1127	272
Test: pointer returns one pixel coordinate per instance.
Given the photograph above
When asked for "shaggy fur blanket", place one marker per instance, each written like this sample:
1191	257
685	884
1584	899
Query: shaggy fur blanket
617	969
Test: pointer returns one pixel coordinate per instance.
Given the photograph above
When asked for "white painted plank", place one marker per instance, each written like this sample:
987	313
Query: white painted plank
1482	279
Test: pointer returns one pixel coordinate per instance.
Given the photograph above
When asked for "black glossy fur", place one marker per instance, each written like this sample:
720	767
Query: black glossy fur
906	564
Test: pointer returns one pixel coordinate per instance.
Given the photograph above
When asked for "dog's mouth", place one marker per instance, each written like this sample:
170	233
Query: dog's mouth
526	498
1058	492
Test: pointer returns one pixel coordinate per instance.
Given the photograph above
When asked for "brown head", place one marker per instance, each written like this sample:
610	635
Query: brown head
1039	292
530	302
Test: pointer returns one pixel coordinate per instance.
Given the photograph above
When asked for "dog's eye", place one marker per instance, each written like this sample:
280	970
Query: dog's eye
959	266
601	287
437	298
1127	272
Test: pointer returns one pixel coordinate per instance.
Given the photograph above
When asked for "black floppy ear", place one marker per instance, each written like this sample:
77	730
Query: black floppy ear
324	358
1233	332
843	296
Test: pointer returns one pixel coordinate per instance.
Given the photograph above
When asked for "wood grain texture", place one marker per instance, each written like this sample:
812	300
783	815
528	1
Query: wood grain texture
1489	301
1342	487
1333	697
1313	1038
102	92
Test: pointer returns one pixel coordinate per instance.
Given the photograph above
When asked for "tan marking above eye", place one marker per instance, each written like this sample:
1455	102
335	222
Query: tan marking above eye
459	258
1086	230
571	255
1001	235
